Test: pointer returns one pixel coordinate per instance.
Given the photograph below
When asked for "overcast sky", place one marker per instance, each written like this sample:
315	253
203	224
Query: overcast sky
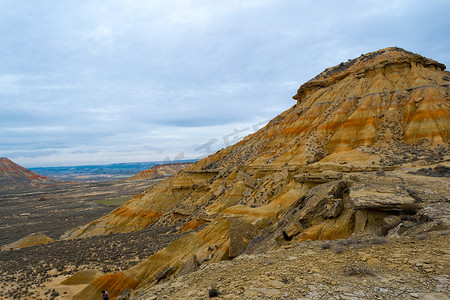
94	82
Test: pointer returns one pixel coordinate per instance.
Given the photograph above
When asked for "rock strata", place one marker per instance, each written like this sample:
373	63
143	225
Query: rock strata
160	171
13	175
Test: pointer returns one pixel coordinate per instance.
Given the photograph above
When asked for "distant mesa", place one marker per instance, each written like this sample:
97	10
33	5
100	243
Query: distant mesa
12	174
160	171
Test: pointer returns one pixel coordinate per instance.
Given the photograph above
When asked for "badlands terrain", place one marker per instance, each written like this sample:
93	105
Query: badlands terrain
31	203
345	195
36	210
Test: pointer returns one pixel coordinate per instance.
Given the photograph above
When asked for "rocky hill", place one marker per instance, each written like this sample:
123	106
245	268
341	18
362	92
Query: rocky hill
160	171
13	175
345	160
374	268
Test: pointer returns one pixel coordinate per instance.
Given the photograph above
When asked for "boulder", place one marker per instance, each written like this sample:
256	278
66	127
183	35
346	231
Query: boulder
241	233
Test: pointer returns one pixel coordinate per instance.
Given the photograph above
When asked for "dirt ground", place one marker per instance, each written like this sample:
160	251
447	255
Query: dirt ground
29	273
372	268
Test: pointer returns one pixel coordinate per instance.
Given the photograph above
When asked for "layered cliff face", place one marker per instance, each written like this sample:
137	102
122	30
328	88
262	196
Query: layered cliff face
11	175
160	171
331	166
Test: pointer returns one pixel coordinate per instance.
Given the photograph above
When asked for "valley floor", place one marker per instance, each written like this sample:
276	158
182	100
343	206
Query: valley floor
35	272
55	208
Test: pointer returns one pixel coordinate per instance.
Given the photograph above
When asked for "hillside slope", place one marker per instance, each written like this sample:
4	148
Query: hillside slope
12	175
331	166
353	268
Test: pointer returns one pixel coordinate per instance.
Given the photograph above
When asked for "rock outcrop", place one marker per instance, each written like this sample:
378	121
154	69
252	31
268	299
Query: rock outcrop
373	268
12	175
160	171
331	166
30	240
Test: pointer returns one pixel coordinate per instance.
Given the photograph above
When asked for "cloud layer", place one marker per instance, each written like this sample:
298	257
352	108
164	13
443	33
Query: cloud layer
86	82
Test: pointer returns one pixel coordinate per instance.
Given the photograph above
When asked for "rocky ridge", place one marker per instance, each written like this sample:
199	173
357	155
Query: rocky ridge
340	162
160	171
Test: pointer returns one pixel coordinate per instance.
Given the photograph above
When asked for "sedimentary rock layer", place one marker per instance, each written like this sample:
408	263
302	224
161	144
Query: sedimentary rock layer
160	171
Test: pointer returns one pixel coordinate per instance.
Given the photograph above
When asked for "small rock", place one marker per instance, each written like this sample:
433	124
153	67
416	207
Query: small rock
201	293
442	280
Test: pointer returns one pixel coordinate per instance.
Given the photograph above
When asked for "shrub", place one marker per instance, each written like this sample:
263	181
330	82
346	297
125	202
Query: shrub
348	241
326	245
422	236
377	241
352	270
339	249
213	291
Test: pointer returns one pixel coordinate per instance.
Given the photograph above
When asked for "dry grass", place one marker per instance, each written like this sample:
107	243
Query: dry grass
114	201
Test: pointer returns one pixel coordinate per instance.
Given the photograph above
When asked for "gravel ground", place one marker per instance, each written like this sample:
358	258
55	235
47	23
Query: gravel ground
24	272
396	268
56	208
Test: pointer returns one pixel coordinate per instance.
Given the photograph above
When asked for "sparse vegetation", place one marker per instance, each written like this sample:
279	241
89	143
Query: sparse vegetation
114	201
114	252
438	171
422	237
326	245
213	291
355	270
377	241
339	249
349	241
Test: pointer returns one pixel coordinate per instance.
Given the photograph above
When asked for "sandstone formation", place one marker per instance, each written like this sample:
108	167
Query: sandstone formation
11	175
33	239
340	162
160	171
83	277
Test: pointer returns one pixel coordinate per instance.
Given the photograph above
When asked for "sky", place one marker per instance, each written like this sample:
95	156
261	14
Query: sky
98	82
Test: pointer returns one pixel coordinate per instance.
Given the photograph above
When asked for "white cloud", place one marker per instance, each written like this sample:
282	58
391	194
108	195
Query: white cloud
9	84
152	80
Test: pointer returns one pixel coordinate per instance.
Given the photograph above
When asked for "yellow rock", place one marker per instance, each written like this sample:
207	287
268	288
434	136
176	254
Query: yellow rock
33	239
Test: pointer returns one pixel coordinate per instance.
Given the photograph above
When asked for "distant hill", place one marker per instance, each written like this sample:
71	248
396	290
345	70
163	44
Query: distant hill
100	172
12	174
159	171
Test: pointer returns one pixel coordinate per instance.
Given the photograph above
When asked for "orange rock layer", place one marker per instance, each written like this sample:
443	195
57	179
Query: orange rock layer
12	173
